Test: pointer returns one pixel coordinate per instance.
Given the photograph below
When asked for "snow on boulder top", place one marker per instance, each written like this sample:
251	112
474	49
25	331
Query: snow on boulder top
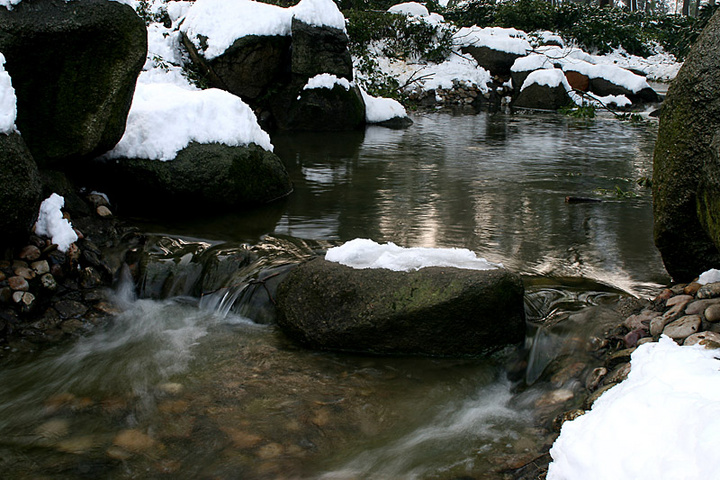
662	422
381	109
548	77
214	25
410	8
8	101
164	118
507	40
611	73
320	13
50	223
326	80
532	62
363	253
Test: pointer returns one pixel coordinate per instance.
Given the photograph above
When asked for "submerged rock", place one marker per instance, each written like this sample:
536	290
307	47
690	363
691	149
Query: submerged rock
73	66
686	169
431	311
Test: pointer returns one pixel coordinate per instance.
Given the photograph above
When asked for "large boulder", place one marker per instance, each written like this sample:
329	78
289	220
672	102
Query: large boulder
497	62
317	50
432	311
20	189
201	176
686	169
604	87
74	67
248	68
545	89
340	107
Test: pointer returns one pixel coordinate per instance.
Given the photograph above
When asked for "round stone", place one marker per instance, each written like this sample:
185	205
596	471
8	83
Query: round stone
712	313
41	268
103	211
30	253
683	327
18	283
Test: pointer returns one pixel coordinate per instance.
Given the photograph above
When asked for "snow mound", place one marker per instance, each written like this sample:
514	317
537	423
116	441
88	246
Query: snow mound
363	253
8	101
413	9
381	109
547	77
531	62
662	422
507	40
214	25
164	118
50	223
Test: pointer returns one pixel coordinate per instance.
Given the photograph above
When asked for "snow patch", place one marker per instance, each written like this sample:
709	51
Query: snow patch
507	40
381	109
662	422
50	223
413	9
320	13
531	62
362	253
327	80
547	77
8	101
710	276
164	118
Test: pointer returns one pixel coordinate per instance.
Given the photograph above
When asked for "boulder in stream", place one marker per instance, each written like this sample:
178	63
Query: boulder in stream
443	311
73	66
686	168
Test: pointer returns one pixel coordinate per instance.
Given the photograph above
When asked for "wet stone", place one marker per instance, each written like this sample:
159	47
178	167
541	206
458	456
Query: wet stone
619	374
48	282
17	296
41	267
595	377
18	283
90	278
103	211
679	299
566	417
711	290
134	440
692	288
30	253
709	339
621	356
25	273
712	313
641	320
699	306
70	309
683	327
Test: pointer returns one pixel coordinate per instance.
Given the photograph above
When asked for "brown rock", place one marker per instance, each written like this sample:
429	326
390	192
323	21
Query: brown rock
25	272
30	253
18	283
699	306
577	80
595	378
48	282
40	267
691	288
708	339
711	290
134	440
712	313
641	320
103	211
70	308
683	327
679	299
619	374
664	295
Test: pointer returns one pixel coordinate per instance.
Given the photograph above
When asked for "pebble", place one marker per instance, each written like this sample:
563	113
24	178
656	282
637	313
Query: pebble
30	253
692	288
48	282
641	320
70	308
699	306
25	272
103	211
18	283
619	374
711	290
683	327
595	378
40	267
17	296
134	440
712	313
171	388
678	299
709	339
554	397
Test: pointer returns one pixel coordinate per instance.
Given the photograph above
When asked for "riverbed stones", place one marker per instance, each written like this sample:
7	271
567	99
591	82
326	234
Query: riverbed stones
686	190
708	339
683	327
712	313
711	290
73	66
432	311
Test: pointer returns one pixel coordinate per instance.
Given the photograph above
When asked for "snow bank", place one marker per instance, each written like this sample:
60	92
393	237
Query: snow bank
663	422
220	22
710	276
8	101
362	253
548	77
164	118
507	40
326	80
531	62
50	223
381	109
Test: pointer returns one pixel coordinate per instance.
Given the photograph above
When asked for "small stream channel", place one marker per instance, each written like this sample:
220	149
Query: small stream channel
191	379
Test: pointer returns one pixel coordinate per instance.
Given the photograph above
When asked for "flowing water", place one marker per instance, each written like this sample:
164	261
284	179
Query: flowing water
191	380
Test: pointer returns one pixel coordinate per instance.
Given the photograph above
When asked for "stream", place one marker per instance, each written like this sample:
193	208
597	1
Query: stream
191	379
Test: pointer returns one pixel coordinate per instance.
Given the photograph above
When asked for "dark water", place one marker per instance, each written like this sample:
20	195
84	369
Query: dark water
174	388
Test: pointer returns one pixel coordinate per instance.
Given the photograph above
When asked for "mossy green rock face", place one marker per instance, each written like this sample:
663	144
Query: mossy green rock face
73	66
20	189
201	176
686	163
432	311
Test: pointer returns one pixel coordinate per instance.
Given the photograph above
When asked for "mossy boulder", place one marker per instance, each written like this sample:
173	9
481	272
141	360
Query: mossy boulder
317	50
20	189
249	68
73	66
201	176
432	311
686	167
